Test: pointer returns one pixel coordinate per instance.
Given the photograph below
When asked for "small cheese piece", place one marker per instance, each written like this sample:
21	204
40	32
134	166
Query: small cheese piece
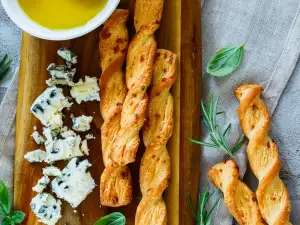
82	123
37	138
86	91
60	74
67	55
62	147
50	103
41	184
84	147
89	136
75	183
51	171
36	156
46	208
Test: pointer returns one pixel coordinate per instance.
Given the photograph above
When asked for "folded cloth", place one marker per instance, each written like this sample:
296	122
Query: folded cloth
7	132
272	31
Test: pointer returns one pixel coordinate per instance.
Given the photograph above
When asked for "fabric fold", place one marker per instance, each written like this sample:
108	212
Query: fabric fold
271	53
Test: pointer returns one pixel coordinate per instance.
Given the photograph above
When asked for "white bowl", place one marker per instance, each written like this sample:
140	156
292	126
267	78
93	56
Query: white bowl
19	17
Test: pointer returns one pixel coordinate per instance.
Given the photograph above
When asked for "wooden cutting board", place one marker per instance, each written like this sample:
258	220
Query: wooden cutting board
179	32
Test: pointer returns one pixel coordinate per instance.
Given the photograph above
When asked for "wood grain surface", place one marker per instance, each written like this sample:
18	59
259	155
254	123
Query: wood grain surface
190	95
180	33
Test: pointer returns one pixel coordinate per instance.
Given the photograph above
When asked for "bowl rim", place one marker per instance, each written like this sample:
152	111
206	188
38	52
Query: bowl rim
42	32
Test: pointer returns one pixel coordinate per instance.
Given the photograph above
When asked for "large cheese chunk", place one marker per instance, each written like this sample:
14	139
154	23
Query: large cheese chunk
75	183
86	91
50	103
46	208
36	156
64	146
41	184
82	123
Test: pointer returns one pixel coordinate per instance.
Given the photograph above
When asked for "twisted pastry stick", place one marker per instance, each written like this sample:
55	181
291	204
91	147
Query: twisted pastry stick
139	71
238	197
115	186
272	195
155	166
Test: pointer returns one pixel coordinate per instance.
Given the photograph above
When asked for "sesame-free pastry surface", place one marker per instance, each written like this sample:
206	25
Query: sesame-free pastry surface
238	197
179	32
272	194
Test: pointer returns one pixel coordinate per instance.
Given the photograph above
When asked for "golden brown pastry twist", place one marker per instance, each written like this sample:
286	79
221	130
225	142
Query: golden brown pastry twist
115	186
155	166
139	70
272	195
238	197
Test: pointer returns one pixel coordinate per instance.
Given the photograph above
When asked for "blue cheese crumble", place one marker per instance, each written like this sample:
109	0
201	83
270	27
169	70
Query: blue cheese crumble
41	184
38	138
82	123
56	123
60	74
49	104
84	147
90	136
51	171
75	183
67	55
36	156
86	91
46	208
64	146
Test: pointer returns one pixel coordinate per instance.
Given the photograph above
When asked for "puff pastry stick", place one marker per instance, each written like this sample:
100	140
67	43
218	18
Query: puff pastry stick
115	186
155	166
139	70
238	197
272	195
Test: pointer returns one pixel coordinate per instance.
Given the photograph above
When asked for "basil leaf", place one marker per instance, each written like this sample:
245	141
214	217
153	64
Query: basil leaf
226	60
18	217
5	200
115	218
7	221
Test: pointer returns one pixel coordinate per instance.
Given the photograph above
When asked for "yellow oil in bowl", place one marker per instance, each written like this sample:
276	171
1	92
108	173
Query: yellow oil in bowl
62	14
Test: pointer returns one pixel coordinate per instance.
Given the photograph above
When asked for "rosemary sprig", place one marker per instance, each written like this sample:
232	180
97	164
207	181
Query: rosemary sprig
218	138
202	216
4	65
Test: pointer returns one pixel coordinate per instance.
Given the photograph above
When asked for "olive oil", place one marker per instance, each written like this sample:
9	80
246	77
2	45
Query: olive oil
62	14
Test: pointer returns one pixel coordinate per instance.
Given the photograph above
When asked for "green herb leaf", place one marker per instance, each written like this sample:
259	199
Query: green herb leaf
18	217
6	221
202	216
5	200
4	65
226	60
218	138
115	218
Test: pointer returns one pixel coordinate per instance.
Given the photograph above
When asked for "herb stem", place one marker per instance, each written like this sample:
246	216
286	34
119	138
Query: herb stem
202	216
218	138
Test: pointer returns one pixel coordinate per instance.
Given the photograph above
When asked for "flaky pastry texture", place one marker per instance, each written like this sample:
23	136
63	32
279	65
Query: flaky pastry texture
155	166
139	71
115	186
272	194
238	197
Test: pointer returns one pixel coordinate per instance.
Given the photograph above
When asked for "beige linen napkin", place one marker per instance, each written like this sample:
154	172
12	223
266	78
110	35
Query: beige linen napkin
272	31
7	132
